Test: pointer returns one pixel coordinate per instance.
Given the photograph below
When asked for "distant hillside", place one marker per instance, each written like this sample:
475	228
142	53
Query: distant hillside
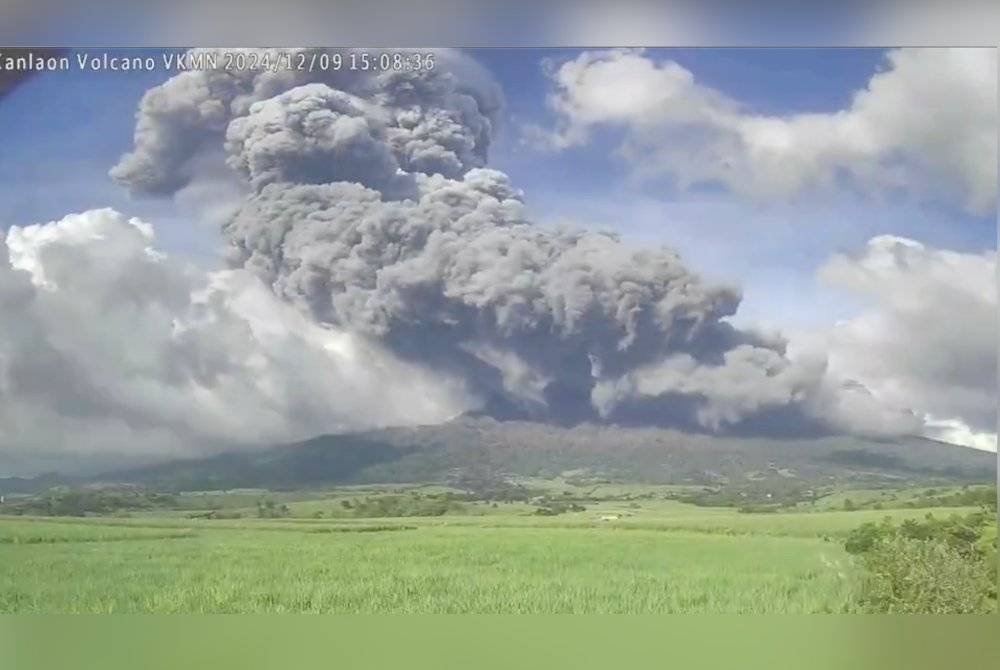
483	449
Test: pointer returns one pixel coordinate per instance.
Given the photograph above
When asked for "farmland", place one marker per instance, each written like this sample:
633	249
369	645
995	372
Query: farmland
615	548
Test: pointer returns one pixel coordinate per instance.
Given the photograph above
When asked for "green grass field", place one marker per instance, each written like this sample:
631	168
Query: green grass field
654	556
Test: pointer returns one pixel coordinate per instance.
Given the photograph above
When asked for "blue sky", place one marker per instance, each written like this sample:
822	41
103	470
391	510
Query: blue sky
63	131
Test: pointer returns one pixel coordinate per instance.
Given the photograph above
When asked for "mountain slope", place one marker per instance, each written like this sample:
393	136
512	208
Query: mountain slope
482	448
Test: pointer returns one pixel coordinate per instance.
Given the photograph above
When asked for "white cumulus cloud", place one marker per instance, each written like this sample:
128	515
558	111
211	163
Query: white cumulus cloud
111	353
927	337
926	123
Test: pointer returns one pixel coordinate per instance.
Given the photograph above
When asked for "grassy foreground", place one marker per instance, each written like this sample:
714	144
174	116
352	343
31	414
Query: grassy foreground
664	557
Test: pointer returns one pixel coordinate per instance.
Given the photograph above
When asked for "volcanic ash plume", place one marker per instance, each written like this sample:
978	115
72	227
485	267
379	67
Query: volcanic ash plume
369	206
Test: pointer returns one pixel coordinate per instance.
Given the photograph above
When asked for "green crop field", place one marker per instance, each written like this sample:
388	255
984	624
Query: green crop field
655	555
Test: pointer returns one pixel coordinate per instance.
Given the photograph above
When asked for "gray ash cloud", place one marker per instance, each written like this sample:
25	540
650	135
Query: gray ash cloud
369	206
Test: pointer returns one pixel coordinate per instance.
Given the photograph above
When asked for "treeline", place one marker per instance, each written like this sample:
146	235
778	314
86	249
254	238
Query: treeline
749	499
493	491
438	504
402	505
550	507
982	496
934	566
71	502
775	497
979	496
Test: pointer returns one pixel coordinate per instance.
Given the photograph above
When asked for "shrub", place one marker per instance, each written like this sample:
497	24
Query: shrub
934	566
757	509
267	509
910	576
864	538
223	514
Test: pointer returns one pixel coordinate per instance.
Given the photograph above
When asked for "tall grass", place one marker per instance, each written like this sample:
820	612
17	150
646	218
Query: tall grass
661	557
431	569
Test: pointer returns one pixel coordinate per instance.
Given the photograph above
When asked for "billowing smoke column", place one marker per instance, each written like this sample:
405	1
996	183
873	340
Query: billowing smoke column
436	121
370	208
